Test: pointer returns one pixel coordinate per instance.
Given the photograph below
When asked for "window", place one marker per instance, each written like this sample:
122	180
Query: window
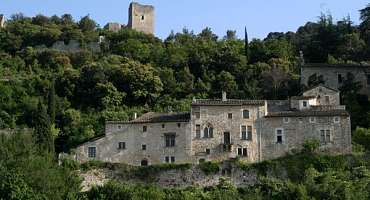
336	120
325	136
197	131
286	120
143	147
368	79
179	125
208	151
245	114
249	132
169	159
142	17
121	145
197	113
208	132
304	103
279	136
340	78
163	125
312	119
144	163
145	128
119	127
327	99
92	152
170	140
242	152
229	115
244	132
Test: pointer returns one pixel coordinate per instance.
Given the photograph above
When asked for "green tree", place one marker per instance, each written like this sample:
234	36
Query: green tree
42	132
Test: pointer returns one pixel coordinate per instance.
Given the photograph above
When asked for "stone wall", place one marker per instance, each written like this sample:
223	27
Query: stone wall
300	129
321	93
141	18
330	75
134	137
217	117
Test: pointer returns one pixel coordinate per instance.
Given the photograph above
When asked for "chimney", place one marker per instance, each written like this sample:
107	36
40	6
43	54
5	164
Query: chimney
224	98
135	115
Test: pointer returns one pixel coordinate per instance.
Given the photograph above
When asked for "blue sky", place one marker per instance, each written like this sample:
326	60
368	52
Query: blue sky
260	16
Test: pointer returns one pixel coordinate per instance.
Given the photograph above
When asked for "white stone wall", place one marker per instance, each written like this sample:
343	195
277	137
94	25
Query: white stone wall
134	137
217	116
300	129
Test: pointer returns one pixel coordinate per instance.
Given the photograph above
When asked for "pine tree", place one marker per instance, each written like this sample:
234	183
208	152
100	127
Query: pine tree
42	130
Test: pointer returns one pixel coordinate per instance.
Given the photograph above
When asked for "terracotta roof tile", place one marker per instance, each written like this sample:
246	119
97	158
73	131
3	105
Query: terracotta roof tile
228	102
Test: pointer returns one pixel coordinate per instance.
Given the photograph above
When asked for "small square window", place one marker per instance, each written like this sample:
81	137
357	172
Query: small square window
279	136
143	147
92	152
312	119
145	128
172	159
304	103
286	120
163	125
121	145
167	159
229	115
336	119
142	17
179	125
208	151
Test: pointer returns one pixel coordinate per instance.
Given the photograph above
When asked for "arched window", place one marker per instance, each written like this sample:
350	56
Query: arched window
245	114
208	131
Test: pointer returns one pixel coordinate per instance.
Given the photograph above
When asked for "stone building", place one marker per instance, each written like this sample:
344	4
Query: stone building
141	18
333	75
113	26
221	129
2	21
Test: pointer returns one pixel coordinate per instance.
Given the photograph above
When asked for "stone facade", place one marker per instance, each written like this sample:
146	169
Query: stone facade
2	21
333	76
221	129
113	26
141	18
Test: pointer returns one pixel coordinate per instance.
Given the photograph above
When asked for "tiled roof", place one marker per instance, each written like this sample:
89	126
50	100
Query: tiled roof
302	97
359	65
306	113
153	117
228	102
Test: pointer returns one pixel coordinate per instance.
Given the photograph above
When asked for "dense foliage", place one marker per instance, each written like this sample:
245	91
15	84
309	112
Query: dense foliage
65	97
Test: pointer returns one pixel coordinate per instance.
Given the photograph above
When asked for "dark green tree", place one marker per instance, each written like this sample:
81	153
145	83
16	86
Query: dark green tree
42	130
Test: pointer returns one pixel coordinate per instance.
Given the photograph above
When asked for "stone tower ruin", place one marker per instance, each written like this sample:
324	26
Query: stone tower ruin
141	18
2	21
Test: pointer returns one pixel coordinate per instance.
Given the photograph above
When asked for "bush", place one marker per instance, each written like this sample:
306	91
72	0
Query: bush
209	167
311	145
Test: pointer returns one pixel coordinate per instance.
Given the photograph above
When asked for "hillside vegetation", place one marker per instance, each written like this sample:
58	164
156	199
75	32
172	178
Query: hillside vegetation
65	97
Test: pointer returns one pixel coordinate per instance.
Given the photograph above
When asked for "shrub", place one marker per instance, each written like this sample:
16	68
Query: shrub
311	145
209	167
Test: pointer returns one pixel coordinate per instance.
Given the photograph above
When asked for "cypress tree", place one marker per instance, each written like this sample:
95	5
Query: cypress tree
246	44
51	101
42	130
